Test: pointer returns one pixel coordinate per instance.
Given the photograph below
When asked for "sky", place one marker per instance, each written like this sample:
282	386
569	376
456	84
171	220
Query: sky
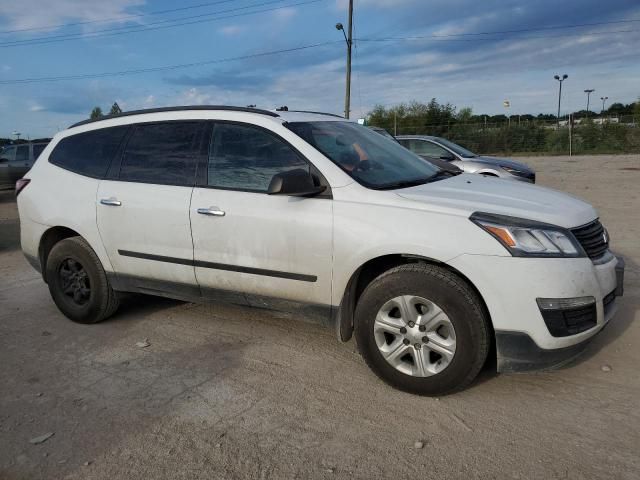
468	53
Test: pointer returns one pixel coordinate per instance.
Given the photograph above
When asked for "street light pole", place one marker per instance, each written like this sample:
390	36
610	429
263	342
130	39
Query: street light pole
349	40
588	91
604	99
557	77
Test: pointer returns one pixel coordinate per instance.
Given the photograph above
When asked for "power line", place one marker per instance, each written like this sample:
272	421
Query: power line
150	27
163	68
115	19
531	37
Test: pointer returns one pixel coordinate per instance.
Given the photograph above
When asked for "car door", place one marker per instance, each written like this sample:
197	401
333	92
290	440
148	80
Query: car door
143	207
20	164
248	241
7	156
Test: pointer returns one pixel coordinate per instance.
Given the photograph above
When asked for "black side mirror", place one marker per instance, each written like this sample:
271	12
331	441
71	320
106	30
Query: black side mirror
447	156
297	183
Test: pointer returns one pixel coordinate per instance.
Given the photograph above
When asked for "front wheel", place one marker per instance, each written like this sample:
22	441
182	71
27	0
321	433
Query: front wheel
422	329
77	282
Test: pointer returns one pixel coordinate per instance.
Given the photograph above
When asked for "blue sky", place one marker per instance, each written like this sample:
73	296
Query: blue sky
457	62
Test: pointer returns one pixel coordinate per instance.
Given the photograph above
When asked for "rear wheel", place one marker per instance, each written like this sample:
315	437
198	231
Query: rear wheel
77	282
422	329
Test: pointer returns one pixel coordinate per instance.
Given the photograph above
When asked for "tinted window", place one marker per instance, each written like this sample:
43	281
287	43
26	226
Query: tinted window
246	158
88	153
161	153
22	153
366	156
37	149
422	147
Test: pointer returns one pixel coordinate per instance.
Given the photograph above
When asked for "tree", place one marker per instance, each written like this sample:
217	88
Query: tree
115	109
636	110
96	113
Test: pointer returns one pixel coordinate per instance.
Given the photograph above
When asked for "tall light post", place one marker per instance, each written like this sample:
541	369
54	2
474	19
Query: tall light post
349	40
588	91
560	79
17	134
604	99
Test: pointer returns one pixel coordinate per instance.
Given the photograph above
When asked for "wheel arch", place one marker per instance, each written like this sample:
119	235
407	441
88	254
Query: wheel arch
50	238
372	268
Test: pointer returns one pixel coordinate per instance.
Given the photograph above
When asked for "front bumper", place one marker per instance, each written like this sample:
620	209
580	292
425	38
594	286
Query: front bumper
510	286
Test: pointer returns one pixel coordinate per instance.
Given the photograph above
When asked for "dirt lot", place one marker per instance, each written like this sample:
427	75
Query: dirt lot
231	392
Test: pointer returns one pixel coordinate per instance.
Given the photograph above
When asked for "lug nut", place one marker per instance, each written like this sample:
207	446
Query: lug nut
422	328
418	346
403	330
406	341
425	339
411	324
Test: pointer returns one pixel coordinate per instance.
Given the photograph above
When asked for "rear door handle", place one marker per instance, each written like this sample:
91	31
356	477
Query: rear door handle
213	211
112	202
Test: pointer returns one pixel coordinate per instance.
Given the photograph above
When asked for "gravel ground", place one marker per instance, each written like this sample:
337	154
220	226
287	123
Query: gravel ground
229	392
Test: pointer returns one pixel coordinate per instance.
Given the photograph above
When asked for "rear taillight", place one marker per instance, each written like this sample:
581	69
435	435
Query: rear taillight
20	184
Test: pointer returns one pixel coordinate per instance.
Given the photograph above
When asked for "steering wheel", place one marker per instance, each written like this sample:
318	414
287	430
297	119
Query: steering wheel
362	166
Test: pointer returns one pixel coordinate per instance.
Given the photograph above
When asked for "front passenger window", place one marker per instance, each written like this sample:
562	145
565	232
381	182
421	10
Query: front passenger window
428	149
246	158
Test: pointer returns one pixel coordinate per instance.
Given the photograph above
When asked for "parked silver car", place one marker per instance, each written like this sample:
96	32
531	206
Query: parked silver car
16	160
435	147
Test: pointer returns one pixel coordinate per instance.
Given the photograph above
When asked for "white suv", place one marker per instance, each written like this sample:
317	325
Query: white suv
430	269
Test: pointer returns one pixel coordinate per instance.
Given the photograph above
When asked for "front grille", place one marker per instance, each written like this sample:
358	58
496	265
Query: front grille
593	239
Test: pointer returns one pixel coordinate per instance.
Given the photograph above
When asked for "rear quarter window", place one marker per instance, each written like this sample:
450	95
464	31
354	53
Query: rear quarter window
89	153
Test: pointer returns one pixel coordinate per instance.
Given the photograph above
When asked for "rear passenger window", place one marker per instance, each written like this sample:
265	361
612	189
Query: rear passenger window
37	149
22	153
88	153
161	153
246	158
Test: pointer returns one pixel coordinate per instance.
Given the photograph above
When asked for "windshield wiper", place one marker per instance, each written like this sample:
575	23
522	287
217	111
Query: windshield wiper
441	175
403	184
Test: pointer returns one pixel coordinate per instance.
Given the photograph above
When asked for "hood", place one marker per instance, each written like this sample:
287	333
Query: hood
502	162
469	193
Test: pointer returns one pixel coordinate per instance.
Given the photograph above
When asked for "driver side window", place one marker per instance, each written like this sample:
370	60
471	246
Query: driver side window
242	157
423	147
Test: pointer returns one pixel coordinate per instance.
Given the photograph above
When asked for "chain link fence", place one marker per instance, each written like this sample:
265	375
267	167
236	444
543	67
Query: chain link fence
534	137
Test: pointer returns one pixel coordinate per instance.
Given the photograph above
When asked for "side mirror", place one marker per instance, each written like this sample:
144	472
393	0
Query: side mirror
447	156
297	183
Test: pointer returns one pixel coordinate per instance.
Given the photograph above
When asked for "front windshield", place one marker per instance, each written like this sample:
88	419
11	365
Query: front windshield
463	152
369	158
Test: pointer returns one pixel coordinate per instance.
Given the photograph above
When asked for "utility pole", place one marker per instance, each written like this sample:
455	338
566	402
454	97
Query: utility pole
588	91
557	77
349	40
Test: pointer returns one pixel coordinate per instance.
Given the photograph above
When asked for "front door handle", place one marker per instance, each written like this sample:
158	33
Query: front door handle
213	211
112	202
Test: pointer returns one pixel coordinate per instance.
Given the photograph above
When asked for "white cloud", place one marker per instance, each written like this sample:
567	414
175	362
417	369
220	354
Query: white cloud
285	14
231	30
36	13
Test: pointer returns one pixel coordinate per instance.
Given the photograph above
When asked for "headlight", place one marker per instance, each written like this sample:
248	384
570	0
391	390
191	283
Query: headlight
514	171
528	238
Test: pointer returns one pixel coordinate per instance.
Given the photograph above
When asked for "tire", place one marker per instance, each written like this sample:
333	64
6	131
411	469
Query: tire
73	267
460	330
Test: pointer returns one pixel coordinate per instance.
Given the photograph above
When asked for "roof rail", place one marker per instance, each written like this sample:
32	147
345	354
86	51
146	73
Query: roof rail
317	113
178	109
